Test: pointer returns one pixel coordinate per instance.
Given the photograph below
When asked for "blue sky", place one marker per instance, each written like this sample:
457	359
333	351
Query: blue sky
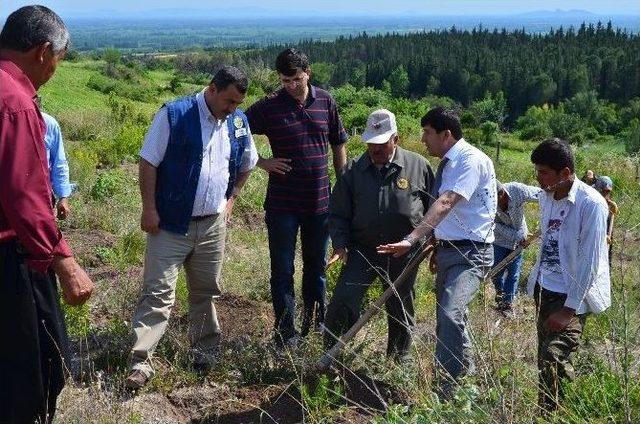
74	8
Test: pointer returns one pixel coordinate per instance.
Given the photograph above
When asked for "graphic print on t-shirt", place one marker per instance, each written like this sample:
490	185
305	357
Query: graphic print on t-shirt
551	273
550	250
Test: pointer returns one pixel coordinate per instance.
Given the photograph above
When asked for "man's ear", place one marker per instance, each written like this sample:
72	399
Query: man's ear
566	173
42	51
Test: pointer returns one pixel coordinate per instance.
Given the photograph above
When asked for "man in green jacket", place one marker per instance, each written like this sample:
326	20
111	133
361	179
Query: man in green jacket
382	196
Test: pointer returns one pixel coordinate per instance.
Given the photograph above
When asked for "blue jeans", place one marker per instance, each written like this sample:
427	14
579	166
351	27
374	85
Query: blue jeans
506	281
282	228
460	271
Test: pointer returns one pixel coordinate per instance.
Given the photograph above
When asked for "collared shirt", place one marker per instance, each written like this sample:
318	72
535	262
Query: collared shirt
582	248
511	226
58	166
302	133
470	174
25	193
371	206
216	153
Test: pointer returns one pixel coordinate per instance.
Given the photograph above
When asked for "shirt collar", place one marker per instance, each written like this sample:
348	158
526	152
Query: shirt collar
19	76
571	196
204	109
397	159
574	189
455	150
506	190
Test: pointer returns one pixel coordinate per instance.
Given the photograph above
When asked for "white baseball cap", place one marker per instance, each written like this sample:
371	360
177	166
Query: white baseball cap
381	125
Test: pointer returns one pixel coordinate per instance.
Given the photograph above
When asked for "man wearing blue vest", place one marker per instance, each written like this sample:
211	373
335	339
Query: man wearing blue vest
195	158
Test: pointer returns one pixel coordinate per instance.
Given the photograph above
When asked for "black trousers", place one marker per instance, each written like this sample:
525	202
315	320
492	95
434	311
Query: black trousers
362	267
34	348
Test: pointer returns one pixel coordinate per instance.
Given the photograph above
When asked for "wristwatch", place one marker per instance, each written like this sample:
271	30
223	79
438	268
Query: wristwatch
411	239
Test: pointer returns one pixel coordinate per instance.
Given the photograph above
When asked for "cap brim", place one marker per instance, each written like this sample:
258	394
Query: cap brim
374	138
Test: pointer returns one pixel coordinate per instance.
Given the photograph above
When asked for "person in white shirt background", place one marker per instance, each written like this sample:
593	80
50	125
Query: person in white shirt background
570	278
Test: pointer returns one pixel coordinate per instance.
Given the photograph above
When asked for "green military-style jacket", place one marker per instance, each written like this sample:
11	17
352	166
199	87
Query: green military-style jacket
370	207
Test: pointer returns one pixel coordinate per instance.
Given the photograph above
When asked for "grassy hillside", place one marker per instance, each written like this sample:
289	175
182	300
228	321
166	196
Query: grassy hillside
252	383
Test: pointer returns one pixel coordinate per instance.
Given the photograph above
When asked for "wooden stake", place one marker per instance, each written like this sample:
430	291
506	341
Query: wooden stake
511	256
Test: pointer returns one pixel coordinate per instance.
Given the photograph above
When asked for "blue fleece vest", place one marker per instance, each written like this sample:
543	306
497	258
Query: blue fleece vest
179	171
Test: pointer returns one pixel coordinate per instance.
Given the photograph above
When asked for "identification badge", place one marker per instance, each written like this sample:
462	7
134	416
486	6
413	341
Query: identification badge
237	122
402	183
240	132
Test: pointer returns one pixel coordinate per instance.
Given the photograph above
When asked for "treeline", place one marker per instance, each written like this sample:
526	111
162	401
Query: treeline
467	65
583	86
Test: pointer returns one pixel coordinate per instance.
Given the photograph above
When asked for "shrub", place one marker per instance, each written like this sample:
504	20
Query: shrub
123	147
82	165
85	126
107	185
632	139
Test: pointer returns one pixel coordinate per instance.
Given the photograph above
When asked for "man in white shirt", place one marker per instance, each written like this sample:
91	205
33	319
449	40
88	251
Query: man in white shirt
461	219
196	156
571	275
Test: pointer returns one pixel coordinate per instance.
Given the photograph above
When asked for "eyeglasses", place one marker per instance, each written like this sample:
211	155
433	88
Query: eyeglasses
292	81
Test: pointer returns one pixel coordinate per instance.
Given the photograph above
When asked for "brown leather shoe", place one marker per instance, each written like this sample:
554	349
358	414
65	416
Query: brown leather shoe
136	380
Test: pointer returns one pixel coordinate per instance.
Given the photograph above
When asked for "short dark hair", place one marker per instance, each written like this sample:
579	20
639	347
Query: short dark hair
227	75
441	119
32	26
289	61
554	153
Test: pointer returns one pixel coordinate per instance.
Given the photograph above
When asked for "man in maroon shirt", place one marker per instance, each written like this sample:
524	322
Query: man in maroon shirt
32	249
302	123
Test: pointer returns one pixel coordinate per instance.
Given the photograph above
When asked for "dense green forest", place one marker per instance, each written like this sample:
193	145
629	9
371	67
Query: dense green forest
583	86
466	65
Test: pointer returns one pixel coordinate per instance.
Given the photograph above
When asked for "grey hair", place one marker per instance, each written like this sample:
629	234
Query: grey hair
31	26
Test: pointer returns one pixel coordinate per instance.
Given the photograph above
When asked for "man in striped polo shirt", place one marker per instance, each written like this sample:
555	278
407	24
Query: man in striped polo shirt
301	122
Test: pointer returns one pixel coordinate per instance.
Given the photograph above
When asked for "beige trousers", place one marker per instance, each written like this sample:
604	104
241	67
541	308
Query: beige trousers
201	252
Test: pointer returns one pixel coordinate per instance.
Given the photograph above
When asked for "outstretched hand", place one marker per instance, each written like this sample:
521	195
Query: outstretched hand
396	249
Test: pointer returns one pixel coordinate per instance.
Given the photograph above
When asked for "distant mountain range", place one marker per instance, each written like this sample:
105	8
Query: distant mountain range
163	29
257	13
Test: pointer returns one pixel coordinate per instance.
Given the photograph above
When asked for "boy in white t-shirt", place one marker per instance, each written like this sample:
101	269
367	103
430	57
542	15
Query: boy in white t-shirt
571	275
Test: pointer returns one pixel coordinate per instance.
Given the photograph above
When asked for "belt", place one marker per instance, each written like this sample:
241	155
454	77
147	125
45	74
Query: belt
201	217
462	243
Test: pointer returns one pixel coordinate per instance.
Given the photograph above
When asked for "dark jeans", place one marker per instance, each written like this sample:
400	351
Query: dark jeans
506	281
35	348
362	267
555	350
314	235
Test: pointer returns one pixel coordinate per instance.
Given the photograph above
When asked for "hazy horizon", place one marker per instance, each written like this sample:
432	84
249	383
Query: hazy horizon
371	8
